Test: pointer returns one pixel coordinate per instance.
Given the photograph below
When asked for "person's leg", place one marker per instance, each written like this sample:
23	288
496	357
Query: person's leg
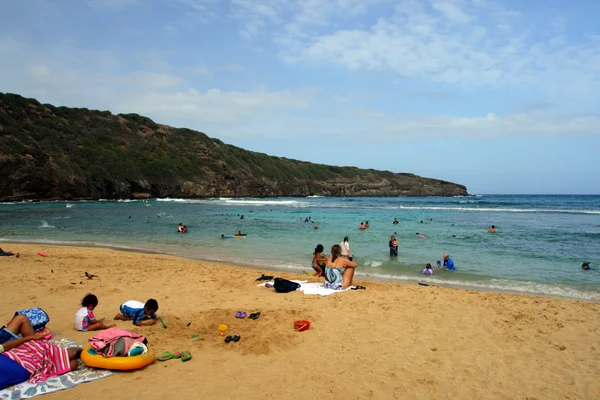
318	270
99	326
121	317
347	277
20	325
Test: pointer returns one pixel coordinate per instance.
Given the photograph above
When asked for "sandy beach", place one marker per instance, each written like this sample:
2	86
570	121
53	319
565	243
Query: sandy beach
389	341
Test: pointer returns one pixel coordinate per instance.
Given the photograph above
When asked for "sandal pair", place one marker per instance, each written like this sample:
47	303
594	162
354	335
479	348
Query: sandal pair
240	314
235	338
255	315
167	355
359	288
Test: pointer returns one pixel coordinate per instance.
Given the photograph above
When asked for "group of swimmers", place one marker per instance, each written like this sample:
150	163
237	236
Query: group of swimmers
363	226
182	228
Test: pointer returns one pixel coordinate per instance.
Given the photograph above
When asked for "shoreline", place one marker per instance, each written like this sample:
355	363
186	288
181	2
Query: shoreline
302	274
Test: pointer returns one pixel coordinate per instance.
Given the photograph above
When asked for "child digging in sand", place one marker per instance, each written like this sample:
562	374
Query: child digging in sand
84	317
135	311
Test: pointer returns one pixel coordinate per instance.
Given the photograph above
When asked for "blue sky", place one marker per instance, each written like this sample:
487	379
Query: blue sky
501	96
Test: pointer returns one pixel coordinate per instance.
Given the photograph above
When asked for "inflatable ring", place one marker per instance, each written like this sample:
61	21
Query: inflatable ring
95	360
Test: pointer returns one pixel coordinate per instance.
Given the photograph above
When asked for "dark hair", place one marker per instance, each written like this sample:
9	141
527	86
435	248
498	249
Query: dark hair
428	266
319	248
151	304
585	264
336	250
345	238
494	226
89	300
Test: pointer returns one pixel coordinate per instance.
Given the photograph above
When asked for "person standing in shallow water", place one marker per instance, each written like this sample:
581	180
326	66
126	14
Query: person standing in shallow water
492	229
393	246
345	248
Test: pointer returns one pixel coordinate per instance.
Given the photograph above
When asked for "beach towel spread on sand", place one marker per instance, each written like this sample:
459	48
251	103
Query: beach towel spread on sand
115	342
71	379
313	288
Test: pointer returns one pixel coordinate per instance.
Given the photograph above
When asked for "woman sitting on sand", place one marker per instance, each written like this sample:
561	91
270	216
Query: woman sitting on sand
339	271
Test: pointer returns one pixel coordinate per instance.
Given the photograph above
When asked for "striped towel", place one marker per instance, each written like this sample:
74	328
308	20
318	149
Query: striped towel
41	358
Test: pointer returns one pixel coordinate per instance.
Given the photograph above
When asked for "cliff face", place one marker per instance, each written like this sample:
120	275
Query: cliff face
49	152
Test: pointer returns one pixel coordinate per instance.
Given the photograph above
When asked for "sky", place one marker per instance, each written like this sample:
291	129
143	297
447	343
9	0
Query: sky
500	96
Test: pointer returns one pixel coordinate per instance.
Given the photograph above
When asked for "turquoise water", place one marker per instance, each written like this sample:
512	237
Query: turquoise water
539	247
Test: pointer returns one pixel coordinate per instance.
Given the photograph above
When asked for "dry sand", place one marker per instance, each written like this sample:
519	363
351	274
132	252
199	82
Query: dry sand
390	341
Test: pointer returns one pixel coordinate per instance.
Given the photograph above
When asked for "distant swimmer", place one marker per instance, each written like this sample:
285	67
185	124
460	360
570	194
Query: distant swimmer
225	237
179	227
585	265
184	229
367	224
362	226
395	221
492	229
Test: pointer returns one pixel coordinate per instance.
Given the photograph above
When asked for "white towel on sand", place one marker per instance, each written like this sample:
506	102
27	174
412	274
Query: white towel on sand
312	288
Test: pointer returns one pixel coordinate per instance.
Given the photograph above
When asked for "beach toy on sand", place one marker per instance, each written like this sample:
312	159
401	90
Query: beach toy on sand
91	358
222	329
301	325
41	253
162	322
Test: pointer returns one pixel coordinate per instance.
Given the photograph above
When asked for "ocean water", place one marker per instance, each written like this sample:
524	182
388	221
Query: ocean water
540	244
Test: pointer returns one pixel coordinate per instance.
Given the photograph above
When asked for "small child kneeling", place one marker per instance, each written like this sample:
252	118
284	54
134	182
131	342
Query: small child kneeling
135	311
84	317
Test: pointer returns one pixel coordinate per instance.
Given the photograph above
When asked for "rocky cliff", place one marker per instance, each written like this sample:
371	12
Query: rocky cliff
49	152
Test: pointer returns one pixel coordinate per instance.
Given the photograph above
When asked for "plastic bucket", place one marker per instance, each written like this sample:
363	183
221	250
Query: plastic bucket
301	325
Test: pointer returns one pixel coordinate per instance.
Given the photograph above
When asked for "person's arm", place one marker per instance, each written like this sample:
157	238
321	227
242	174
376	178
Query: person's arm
350	264
17	342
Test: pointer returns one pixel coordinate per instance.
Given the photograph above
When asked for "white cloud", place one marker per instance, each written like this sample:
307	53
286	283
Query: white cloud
452	10
489	126
419	43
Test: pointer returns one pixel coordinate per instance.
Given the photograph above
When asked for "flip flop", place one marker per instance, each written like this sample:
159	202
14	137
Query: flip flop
243	314
359	288
238	314
236	338
228	339
186	355
167	355
255	315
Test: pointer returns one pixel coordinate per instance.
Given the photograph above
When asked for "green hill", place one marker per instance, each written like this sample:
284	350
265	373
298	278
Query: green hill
50	152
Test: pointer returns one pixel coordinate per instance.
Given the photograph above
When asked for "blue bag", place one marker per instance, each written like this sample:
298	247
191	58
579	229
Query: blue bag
37	317
11	373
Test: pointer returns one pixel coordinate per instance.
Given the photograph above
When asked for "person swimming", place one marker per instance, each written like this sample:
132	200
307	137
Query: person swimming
585	266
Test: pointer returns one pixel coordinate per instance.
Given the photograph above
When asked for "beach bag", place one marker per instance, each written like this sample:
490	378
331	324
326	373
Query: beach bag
284	286
37	317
